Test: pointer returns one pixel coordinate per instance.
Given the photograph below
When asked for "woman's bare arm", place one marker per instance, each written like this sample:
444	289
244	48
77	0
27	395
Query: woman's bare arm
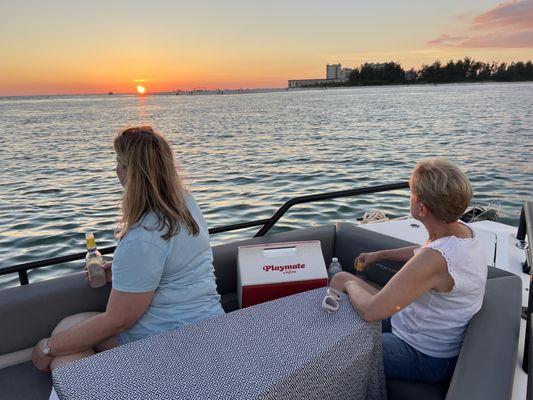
401	254
423	272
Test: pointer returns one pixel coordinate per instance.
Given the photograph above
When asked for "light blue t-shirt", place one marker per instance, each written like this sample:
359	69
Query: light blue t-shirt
180	270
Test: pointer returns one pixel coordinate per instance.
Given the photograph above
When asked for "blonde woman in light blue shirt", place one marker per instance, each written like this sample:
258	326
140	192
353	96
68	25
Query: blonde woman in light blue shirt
162	274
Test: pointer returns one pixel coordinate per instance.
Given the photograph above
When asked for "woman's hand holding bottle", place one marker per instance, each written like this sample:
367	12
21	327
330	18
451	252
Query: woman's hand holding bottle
364	260
107	268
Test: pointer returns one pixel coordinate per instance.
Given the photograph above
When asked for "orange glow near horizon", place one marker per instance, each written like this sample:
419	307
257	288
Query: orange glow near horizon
100	53
141	89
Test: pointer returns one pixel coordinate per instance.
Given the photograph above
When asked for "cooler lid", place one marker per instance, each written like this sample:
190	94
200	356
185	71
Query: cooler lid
281	262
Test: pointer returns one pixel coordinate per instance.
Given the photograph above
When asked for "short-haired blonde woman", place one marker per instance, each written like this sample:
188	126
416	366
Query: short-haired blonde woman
162	273
441	286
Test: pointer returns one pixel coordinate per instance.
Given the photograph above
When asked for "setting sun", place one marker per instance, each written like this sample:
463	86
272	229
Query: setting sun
141	89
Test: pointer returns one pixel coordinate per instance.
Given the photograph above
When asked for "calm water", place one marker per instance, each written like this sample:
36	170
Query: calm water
244	155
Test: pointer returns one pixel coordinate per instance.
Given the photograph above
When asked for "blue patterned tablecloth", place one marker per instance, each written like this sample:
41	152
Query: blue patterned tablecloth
289	348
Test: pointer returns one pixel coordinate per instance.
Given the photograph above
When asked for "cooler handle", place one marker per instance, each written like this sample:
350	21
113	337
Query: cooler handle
273	252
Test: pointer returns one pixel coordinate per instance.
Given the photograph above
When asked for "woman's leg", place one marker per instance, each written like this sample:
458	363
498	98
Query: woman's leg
386	326
107	344
71	321
401	361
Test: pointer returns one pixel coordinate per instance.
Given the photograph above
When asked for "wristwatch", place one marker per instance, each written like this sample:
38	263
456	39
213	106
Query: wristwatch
47	351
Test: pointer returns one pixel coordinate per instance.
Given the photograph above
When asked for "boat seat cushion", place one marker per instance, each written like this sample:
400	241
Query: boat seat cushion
497	273
229	302
408	390
31	312
490	345
24	382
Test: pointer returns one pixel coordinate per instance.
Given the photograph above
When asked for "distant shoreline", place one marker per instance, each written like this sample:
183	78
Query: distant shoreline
215	92
355	85
166	93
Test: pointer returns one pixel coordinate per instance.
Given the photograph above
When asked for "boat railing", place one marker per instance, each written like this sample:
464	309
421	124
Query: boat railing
266	224
521	236
527	360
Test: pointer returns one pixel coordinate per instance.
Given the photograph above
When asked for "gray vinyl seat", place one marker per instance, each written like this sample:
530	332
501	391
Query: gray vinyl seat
488	354
30	313
24	382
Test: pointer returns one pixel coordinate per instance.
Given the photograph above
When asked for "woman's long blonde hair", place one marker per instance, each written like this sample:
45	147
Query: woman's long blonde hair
153	183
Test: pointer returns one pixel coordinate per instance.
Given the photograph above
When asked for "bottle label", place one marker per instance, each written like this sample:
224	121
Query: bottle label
97	275
94	262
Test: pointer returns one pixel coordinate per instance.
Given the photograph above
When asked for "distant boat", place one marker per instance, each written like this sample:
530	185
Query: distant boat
110	93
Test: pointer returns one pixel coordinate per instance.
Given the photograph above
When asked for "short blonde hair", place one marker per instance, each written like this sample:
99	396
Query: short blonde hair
442	187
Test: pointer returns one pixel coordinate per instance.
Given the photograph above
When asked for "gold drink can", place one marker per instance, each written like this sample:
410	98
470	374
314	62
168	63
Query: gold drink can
359	265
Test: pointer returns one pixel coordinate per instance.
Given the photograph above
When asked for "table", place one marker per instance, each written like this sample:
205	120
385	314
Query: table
289	348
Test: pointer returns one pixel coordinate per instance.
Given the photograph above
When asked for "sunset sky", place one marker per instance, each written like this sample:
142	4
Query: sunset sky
60	46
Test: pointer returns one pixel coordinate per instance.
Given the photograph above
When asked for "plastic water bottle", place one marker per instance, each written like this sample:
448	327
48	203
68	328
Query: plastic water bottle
334	267
94	263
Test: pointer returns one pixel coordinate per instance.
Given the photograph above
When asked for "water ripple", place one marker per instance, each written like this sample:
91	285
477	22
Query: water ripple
245	155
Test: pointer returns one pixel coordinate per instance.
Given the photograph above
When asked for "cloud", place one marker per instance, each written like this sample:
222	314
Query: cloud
447	39
508	25
501	40
515	14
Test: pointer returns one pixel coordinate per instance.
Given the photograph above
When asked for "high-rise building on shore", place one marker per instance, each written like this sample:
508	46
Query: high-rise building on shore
333	71
334	74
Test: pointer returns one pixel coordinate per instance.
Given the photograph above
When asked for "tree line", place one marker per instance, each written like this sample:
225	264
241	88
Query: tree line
465	70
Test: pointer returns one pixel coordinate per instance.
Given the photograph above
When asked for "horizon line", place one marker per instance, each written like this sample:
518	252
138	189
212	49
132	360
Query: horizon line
111	92
251	90
133	93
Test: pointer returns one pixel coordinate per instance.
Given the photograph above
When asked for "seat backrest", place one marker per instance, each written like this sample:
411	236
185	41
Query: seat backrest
30	312
486	364
225	256
352	240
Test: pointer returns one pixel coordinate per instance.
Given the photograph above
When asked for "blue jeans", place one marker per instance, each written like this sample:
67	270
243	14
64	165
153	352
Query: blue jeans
402	361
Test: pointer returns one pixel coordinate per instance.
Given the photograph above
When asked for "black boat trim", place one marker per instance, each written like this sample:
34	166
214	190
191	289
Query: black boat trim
527	360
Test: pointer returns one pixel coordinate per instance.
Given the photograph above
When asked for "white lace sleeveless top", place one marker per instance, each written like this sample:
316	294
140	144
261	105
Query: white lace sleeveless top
435	323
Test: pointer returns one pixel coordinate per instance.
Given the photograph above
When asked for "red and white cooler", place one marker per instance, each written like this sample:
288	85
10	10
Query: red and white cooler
270	271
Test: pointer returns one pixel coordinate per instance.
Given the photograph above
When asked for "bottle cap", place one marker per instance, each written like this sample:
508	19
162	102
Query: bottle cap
334	259
91	243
